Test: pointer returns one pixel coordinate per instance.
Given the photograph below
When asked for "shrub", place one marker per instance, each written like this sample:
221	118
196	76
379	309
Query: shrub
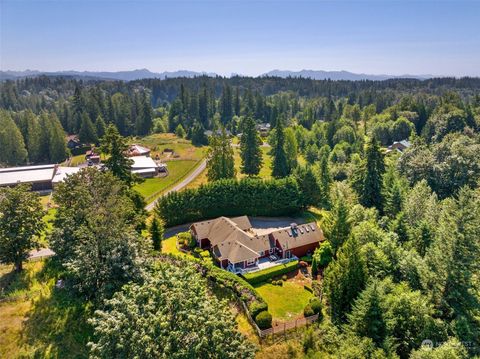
187	239
257	307
266	274
308	311
284	277
264	320
307	259
316	305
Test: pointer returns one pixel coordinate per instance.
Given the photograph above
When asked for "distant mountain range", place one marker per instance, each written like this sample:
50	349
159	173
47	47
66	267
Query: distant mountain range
117	75
146	74
339	75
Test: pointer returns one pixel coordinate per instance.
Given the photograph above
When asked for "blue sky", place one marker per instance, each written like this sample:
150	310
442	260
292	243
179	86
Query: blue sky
246	37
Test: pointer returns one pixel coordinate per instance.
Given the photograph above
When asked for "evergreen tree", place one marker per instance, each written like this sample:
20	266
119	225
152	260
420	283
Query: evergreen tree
371	191
53	147
325	181
87	133
309	185
156	233
366	318
337	224
226	106
32	137
400	227
20	224
392	192
179	131
12	146
291	149
100	127
236	102
115	147
220	161
197	135
344	280
250	151
279	164
203	106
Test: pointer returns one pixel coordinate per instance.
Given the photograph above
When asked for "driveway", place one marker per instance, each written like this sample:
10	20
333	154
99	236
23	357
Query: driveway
180	185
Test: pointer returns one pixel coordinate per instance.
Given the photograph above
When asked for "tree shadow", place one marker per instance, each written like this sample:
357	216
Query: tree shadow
56	326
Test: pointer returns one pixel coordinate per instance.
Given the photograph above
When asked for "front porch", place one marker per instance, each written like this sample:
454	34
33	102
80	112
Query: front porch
260	264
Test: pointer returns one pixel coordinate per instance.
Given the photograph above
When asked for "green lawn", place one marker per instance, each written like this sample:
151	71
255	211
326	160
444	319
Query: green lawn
265	171
153	187
285	302
184	150
169	246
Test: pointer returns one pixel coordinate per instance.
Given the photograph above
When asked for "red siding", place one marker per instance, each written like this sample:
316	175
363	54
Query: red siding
303	250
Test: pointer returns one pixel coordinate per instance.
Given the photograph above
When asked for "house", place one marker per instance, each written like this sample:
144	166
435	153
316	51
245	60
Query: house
137	150
73	142
400	146
263	129
146	167
236	246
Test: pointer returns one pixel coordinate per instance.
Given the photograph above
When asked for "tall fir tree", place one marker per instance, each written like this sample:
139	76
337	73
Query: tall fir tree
156	233
115	146
220	160
250	151
226	105
87	133
308	183
344	280
325	181
371	190
367	319
280	166
100	127
338	225
13	151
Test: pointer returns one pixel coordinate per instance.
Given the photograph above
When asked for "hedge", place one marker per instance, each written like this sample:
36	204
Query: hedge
264	320
248	196
266	274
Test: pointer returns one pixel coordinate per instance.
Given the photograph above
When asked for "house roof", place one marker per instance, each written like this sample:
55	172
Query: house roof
142	162
210	228
231	239
26	174
63	172
302	235
137	150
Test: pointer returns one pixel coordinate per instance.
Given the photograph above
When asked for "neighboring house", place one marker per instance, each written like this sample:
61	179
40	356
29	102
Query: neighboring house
41	178
73	142
137	150
146	167
399	146
92	156
263	129
236	246
209	133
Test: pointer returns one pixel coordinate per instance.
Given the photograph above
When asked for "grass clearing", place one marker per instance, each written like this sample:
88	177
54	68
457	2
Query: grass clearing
38	320
153	187
182	148
285	302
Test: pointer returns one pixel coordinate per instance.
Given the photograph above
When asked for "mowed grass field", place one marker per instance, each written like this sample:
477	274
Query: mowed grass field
180	163
155	186
285	302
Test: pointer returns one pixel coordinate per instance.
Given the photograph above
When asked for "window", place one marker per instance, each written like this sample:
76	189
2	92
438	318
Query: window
272	250
250	262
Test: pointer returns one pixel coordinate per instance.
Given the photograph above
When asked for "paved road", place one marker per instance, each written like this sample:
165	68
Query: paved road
180	185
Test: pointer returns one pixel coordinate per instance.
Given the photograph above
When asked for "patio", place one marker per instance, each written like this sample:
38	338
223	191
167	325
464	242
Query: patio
261	264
